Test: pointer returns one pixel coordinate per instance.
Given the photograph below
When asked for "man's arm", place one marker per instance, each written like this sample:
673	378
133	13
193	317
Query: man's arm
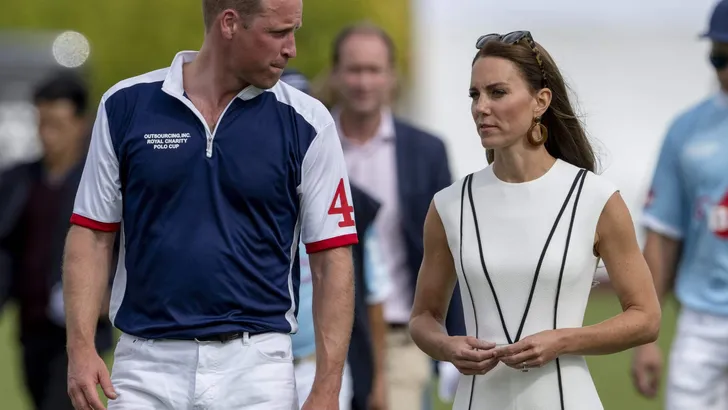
328	229
86	266
95	221
666	213
662	254
665	217
333	315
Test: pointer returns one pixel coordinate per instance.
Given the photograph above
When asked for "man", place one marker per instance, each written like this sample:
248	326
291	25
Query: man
218	166
687	239
36	200
371	276
401	167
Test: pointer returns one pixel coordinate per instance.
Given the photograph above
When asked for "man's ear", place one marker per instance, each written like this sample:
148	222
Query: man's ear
229	23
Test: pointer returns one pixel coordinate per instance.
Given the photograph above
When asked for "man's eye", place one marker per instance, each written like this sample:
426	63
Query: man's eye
280	33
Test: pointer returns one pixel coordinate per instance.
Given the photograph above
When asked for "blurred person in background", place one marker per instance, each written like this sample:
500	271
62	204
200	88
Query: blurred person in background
500	232
212	170
36	202
401	167
372	284
686	217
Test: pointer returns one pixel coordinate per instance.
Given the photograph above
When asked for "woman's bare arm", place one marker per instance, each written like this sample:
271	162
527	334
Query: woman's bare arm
435	284
639	322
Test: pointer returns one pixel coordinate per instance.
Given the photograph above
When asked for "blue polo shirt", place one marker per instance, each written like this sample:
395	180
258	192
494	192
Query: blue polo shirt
210	220
688	201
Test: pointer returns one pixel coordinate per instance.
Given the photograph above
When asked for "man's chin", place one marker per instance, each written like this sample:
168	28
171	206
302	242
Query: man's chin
366	110
265	83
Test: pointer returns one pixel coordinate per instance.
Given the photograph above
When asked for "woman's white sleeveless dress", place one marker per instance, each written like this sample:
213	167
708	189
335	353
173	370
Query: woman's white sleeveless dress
513	222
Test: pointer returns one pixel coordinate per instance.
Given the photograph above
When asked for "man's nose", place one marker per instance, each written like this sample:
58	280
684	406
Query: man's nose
289	50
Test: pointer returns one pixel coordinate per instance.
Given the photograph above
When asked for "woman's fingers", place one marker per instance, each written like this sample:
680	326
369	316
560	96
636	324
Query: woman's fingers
470	368
517	360
474	355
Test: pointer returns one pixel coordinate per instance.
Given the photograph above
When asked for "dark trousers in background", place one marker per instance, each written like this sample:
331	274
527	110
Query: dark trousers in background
45	365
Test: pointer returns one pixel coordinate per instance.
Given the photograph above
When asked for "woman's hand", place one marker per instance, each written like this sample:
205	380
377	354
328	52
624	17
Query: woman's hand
470	355
532	351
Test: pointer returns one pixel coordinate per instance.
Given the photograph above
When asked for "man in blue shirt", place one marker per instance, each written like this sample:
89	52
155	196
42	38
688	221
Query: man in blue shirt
212	171
686	217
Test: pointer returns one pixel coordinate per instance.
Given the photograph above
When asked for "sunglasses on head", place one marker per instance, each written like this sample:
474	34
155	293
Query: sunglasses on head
719	61
510	38
513	38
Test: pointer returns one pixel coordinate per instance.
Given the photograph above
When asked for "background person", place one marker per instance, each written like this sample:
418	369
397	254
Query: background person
36	201
402	167
686	218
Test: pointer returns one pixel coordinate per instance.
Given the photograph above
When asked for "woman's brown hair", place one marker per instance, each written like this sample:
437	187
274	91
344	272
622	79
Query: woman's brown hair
567	139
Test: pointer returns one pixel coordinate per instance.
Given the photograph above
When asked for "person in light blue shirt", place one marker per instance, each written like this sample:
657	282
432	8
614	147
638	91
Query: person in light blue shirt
686	217
304	342
369	390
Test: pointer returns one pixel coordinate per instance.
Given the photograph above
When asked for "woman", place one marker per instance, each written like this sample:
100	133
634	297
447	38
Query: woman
524	236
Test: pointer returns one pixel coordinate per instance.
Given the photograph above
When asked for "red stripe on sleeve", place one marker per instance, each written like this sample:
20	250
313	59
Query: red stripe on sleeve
336	242
79	220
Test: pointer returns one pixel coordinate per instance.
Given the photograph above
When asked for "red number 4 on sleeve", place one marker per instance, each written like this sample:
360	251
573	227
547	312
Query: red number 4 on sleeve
343	208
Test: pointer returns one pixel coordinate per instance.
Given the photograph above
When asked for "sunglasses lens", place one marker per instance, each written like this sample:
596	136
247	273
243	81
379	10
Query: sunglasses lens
485	39
512	38
719	61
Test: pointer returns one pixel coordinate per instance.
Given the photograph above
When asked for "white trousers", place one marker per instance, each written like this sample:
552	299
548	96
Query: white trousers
305	372
252	373
698	368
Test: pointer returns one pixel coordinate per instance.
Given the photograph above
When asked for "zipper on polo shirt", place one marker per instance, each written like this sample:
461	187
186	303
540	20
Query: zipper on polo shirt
211	135
208	148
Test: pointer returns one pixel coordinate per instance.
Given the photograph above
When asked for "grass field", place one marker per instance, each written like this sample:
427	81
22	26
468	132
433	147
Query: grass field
610	373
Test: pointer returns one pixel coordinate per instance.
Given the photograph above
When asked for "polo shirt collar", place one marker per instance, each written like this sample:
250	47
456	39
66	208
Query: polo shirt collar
174	84
386	131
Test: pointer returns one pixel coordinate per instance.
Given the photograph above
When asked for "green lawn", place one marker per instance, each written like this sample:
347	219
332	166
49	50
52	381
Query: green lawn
610	373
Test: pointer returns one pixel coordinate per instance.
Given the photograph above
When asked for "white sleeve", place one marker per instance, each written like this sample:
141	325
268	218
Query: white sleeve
98	199
326	208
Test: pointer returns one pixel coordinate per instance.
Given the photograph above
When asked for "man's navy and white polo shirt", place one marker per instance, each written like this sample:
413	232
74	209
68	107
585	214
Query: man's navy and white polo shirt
210	221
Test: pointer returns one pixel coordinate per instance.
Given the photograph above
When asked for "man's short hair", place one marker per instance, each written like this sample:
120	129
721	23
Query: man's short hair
211	8
63	86
365	28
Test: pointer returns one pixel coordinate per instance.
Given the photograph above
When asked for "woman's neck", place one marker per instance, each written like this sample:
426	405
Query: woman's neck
521	165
